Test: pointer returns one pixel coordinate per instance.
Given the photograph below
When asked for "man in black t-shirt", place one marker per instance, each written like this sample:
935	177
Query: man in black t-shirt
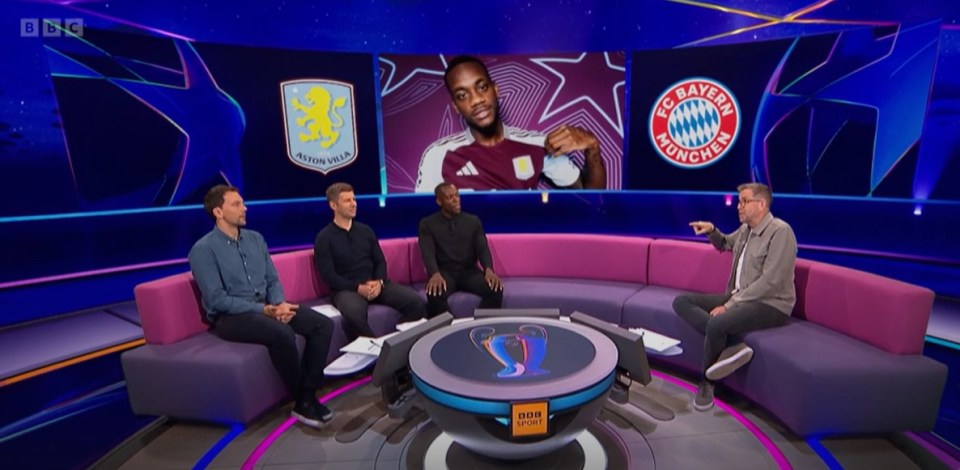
452	243
349	259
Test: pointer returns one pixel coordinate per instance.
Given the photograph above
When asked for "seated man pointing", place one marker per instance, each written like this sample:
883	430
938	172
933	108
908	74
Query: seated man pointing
760	292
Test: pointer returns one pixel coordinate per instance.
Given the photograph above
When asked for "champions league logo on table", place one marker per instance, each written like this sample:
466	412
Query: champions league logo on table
519	353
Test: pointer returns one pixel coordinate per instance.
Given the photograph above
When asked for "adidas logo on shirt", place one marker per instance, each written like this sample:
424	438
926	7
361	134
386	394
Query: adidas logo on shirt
468	170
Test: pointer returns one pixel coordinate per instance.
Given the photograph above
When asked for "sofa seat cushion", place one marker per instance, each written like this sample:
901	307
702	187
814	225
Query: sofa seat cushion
203	377
816	379
813	379
600	299
462	304
652	308
382	320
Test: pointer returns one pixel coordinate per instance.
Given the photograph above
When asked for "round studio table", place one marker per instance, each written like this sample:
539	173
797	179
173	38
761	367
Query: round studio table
513	387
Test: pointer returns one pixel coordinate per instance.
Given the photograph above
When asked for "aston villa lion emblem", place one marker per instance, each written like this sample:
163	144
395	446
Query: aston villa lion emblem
695	122
319	117
523	167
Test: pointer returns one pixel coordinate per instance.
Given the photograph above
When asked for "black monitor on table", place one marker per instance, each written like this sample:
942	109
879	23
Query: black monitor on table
516	312
632	360
392	372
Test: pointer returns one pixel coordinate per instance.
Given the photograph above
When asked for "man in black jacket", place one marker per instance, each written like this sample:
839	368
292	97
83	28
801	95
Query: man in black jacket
451	243
350	261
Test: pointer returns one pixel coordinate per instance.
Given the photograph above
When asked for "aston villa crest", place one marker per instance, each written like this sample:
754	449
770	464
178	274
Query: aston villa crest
320	121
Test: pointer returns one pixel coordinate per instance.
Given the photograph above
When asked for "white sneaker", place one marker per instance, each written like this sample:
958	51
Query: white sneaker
730	360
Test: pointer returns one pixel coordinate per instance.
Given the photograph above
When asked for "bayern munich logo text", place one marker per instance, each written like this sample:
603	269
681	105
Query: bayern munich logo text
695	122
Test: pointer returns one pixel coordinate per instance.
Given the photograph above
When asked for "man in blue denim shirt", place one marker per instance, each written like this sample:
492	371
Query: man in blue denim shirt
760	292
242	296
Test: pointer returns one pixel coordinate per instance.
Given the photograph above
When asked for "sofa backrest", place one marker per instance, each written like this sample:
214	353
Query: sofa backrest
886	313
583	256
299	276
169	309
418	272
396	252
301	281
889	314
699	267
801	275
689	266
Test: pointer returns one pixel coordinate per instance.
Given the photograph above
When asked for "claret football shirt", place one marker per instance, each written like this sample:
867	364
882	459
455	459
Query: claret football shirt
518	162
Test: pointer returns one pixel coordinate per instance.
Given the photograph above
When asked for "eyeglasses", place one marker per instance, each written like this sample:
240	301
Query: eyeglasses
744	202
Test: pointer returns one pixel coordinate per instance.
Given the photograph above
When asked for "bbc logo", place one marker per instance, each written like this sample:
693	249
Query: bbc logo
50	27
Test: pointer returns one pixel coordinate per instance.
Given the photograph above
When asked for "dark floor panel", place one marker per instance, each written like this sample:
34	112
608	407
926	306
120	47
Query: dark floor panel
73	435
36	345
126	310
945	320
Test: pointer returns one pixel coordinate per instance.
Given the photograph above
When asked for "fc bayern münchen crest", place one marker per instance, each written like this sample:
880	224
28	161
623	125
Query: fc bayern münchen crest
319	117
695	122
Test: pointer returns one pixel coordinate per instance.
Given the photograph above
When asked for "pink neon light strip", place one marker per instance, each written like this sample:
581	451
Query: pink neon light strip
262	448
772	449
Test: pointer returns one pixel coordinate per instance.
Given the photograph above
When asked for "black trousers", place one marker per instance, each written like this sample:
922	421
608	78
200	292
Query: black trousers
468	281
353	307
742	318
302	376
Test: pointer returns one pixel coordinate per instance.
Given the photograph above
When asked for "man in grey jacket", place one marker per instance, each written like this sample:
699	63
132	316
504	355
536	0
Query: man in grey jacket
760	292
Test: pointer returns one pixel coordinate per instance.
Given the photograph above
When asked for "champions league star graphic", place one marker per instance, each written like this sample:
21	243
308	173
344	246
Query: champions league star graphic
520	353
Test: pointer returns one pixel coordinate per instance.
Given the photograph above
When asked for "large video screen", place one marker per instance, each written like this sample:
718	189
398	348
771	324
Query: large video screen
147	121
430	126
109	140
837	114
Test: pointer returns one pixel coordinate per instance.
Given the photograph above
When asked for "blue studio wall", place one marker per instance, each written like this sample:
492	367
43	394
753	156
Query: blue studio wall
108	138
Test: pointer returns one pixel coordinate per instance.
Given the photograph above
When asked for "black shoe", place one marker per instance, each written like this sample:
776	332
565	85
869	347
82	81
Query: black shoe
312	414
326	414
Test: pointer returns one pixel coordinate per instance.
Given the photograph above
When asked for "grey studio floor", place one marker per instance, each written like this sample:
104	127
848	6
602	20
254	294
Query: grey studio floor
363	437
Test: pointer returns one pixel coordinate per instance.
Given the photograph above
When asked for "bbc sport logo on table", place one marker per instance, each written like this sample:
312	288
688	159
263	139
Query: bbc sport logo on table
695	122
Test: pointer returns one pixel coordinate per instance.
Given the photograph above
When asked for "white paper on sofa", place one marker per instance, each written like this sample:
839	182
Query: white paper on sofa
410	324
328	310
367	345
655	341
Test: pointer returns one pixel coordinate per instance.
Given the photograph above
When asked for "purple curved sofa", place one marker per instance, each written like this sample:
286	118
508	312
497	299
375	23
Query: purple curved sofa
849	360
